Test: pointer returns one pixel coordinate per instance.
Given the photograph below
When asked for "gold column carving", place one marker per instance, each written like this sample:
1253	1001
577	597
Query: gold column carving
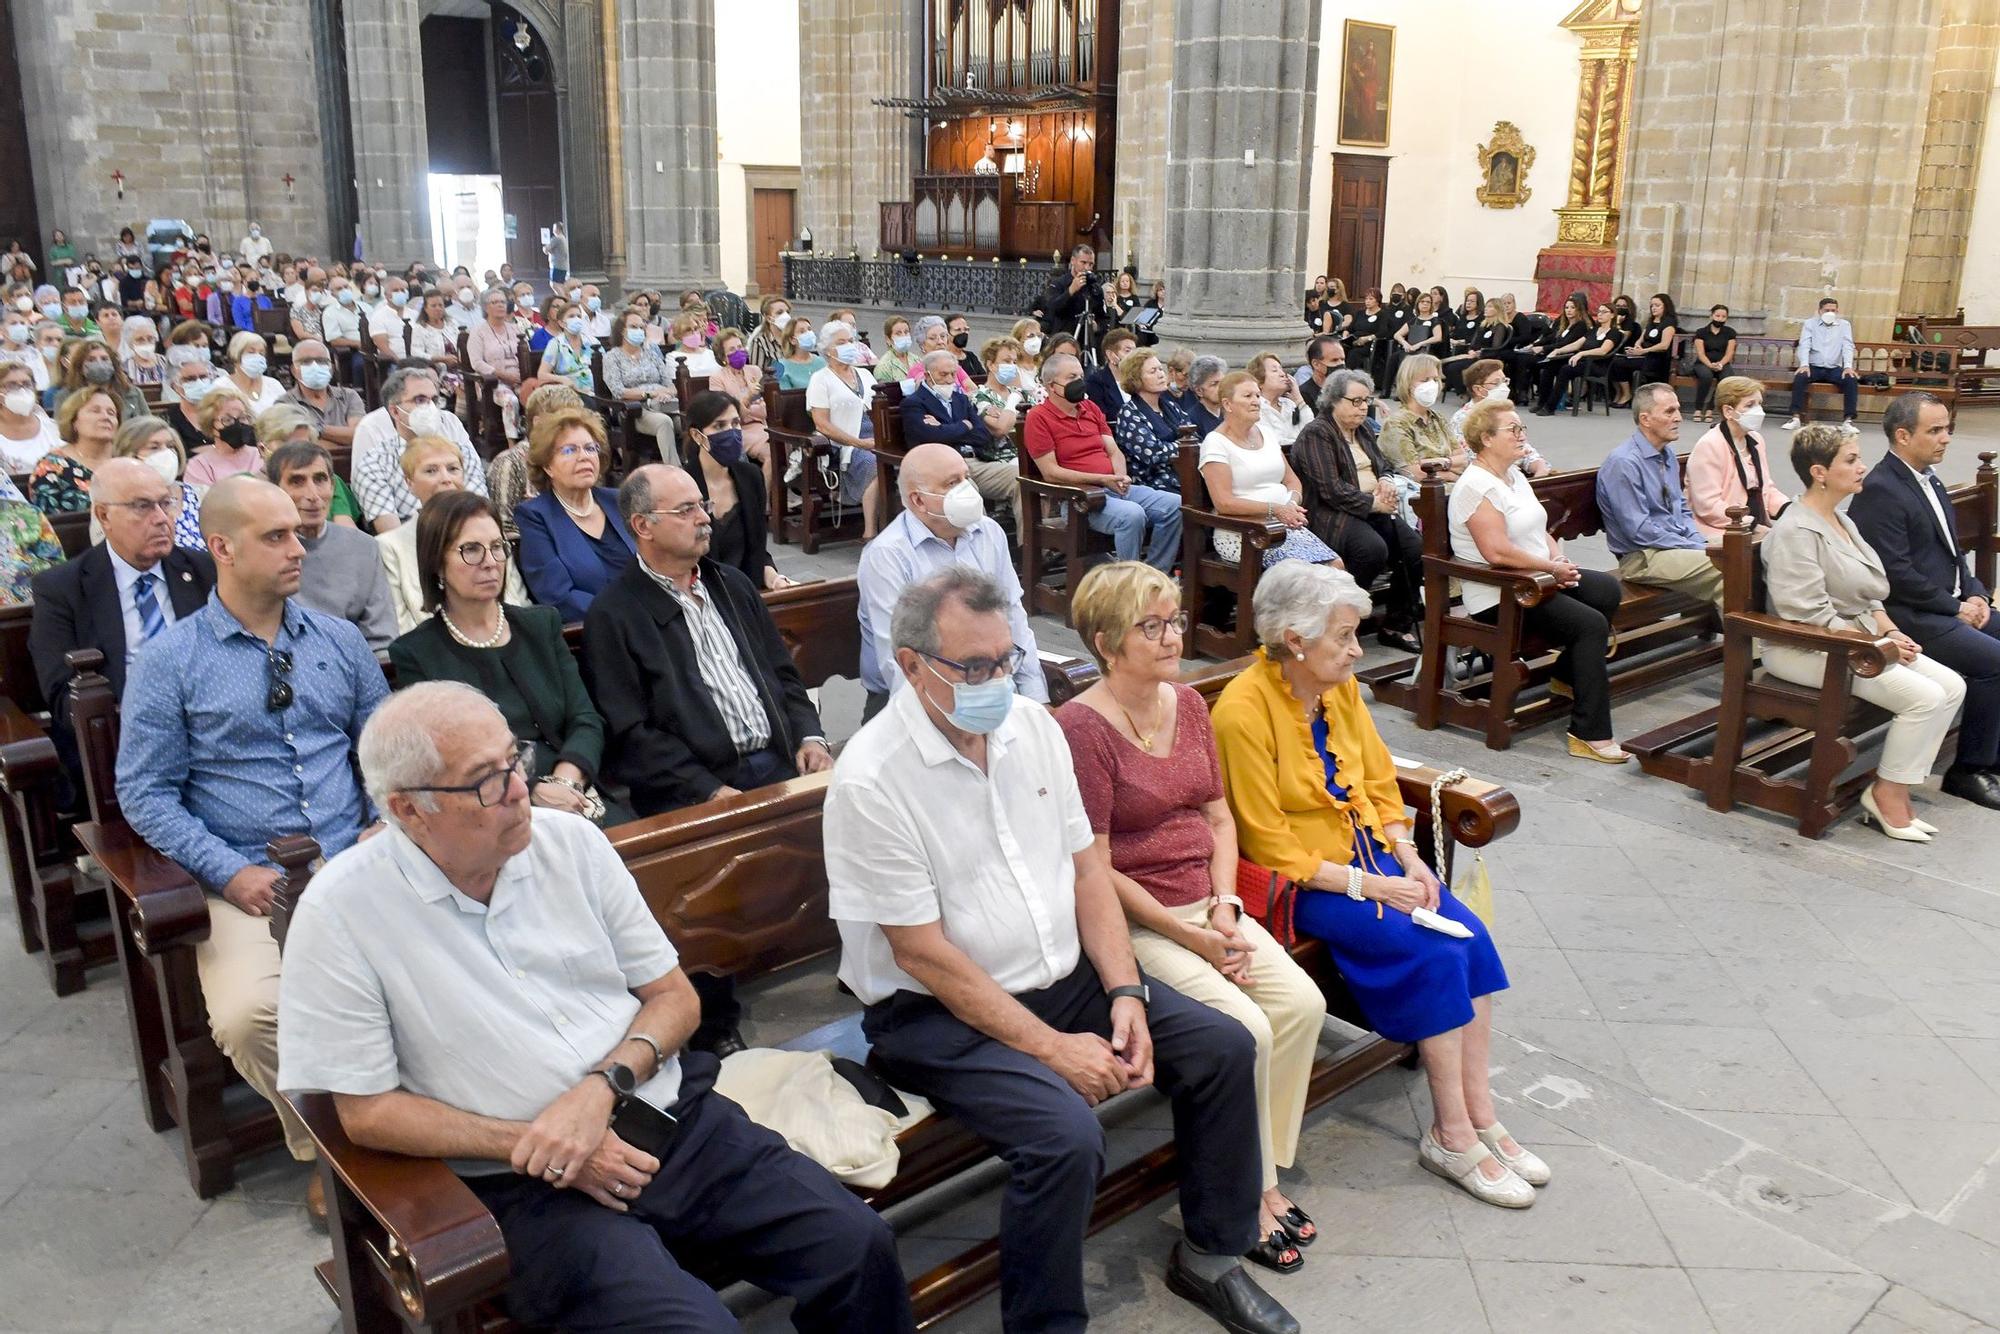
1610	31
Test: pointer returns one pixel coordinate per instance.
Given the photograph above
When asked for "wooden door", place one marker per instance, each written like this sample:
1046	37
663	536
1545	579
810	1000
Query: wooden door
1354	241
772	224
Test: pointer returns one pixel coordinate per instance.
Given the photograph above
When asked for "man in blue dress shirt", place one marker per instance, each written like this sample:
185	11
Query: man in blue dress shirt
239	726
1647	523
1826	356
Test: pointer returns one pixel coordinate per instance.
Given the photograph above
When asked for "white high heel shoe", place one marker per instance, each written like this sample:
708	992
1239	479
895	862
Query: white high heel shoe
1913	832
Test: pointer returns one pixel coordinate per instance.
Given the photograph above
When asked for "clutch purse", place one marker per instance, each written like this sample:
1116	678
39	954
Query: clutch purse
1270	898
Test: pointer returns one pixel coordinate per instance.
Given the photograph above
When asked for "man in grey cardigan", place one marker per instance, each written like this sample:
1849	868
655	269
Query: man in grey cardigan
343	573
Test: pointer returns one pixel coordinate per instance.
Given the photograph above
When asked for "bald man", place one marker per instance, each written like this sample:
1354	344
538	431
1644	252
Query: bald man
240	723
122	592
937	410
943	522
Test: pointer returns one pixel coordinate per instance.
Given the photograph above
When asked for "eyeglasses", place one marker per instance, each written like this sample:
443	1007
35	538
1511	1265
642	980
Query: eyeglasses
578	451
705	507
140	509
476	553
419	401
279	697
1360	402
978	671
1153	627
490	789
1517	430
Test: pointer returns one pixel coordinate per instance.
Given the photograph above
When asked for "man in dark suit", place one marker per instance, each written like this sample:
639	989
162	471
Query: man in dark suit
1934	596
117	595
700	697
938	412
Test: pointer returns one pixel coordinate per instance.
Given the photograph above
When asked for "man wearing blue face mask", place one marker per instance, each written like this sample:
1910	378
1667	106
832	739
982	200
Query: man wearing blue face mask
335	409
980	927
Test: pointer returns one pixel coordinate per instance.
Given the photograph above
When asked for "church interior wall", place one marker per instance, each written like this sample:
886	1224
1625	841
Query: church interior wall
1460	65
1979	287
757	109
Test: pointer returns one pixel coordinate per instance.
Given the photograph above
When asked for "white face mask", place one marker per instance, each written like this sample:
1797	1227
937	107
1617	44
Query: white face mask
781	319
1828	316
1499	390
1427	392
1032	345
163	462
1752	417
425	419
20	402
465	298
963	506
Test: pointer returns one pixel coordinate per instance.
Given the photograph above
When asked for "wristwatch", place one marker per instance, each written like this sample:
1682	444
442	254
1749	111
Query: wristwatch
1141	993
623	1082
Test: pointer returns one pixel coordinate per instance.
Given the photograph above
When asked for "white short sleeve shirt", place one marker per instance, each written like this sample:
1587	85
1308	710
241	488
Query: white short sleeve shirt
1518	505
915	833
827	390
393	979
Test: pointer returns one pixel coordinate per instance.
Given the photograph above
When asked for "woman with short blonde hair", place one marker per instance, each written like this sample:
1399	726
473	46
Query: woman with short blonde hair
1417	432
1730	466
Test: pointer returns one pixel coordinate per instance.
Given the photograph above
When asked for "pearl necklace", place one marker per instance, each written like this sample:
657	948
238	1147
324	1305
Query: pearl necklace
589	508
493	641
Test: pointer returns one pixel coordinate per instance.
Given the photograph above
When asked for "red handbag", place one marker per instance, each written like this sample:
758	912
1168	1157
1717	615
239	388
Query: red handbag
1268	897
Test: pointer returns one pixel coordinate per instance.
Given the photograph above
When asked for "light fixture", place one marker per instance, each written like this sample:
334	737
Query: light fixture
522	39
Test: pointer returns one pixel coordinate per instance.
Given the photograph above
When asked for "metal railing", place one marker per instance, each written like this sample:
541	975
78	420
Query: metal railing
1007	287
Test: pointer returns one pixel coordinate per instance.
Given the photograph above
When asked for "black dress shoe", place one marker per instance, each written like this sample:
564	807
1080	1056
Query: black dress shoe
1235	1300
1978	786
724	1046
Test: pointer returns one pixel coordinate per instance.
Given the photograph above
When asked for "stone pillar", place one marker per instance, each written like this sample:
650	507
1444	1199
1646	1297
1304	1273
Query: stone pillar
1586	245
1774	162
1244	76
1145	64
1948	172
853	154
666	112
392	156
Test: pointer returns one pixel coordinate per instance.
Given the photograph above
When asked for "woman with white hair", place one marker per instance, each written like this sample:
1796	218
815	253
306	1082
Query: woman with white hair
838	396
1314	795
247	353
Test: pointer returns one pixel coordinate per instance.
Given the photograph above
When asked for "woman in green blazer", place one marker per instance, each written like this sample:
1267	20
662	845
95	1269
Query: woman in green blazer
515	655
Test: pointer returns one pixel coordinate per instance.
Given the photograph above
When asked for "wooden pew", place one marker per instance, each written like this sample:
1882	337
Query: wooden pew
1747	750
1967	350
1216	593
1658	635
740	887
1057	542
1771	362
814	514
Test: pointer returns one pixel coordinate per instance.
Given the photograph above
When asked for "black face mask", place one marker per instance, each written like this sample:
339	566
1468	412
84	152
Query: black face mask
238	435
959	340
1073	391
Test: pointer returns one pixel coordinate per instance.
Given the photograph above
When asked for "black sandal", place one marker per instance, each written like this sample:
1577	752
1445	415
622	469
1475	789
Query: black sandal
1406	641
1276	1251
1298	1225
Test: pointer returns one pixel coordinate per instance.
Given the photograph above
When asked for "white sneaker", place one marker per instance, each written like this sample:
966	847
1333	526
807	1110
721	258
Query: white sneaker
1792	425
1849	428
1524	1164
1462	1169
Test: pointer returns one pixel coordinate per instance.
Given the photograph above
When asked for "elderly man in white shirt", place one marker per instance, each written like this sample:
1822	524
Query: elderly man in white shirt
943	522
992	954
409	409
483	983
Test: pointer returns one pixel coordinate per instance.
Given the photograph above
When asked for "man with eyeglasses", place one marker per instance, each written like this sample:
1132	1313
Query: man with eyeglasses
336	409
343	574
239	725
1640	494
411	406
484	983
117	595
943	522
988	943
700	696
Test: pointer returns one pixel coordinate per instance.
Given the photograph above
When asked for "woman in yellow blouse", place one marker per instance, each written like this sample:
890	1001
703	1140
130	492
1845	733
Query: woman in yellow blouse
1314	794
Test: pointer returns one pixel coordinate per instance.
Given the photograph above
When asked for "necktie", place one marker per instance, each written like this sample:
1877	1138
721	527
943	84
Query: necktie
150	620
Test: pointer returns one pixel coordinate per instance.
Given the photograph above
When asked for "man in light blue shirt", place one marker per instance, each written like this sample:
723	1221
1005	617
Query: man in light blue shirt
943	523
1826	356
239	724
1647	523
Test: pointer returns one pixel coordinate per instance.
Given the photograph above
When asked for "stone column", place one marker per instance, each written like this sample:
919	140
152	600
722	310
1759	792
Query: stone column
1948	173
666	106
1244	76
392	156
1145	64
853	154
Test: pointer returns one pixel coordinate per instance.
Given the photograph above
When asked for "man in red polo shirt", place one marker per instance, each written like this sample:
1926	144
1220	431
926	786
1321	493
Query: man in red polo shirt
1071	443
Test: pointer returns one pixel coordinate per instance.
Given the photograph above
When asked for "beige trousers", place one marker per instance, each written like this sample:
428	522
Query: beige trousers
1923	694
1282	1007
1686	570
997	482
238	965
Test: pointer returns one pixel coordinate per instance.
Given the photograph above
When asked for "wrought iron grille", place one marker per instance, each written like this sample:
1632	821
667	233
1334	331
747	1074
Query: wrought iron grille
1006	288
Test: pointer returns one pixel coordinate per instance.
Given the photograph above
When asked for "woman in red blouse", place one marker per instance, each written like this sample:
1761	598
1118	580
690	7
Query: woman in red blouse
1146	767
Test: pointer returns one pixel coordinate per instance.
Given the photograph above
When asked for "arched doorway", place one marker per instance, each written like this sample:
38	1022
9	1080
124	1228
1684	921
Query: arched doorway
493	110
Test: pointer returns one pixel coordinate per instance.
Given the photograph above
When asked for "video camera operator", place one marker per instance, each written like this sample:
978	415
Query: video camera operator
1073	302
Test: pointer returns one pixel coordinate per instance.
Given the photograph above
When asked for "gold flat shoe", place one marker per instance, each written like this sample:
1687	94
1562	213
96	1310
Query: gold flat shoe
1583	750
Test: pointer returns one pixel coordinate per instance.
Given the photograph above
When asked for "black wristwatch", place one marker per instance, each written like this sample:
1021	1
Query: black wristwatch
623	1082
1141	993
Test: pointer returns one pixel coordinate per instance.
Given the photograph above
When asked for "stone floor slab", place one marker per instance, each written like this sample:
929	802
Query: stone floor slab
1932	1159
69	1260
1600	1219
1720	1069
1525	1298
1897	1076
1627	986
1742	1301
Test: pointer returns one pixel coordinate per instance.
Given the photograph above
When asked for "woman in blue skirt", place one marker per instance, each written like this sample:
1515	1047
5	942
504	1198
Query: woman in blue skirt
1315	798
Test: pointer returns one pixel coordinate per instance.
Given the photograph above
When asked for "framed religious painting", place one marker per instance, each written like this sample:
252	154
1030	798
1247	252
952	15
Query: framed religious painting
1503	168
1367	57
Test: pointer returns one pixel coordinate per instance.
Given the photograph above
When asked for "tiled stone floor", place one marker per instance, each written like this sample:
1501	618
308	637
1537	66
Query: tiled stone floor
1766	1072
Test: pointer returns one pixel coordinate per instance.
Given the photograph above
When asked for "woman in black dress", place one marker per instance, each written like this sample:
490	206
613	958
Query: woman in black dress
1566	338
734	486
1648	356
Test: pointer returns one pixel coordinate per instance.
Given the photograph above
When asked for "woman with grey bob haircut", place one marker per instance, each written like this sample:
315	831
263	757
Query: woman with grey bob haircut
1297	597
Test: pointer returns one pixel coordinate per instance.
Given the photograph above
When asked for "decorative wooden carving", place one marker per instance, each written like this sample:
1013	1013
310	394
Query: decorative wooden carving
1504	163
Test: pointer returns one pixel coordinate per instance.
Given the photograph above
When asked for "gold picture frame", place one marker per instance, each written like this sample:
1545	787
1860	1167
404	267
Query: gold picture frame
1367	67
1503	167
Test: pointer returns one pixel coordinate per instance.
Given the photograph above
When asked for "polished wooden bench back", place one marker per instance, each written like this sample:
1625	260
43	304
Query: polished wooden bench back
1058	545
1216	593
1773	361
814	514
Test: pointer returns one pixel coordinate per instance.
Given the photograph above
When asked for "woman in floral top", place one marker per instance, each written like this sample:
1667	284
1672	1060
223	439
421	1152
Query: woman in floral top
1148	426
87	421
28	546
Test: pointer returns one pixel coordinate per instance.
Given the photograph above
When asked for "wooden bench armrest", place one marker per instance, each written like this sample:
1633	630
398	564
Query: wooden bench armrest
1067	677
1530	589
439	1247
1261	533
1476	812
27	756
1089	498
1867	656
166	906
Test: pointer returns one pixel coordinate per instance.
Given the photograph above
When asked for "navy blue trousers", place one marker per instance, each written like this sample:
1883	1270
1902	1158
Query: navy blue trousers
729	1191
1974	655
1849	386
1050	1139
